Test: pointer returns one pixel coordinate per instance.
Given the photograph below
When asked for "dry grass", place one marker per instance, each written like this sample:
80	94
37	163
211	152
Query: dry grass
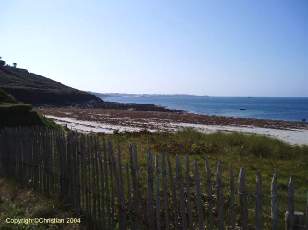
19	202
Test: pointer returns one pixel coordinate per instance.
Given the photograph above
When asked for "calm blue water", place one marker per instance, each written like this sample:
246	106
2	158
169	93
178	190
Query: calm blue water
289	109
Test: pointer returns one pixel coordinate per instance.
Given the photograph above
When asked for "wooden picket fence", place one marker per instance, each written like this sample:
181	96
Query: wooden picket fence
111	190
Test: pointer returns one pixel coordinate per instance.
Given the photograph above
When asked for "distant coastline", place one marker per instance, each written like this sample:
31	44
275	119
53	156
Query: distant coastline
268	108
102	95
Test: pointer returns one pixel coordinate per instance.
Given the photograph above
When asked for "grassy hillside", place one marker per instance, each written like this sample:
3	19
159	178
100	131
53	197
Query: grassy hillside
38	90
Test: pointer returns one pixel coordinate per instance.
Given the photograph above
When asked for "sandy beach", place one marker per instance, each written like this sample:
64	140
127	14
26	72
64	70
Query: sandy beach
110	121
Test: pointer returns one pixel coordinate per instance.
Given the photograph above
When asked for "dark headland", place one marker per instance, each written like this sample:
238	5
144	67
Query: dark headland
38	90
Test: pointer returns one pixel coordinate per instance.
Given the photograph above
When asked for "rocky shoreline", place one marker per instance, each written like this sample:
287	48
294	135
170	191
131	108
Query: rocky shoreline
147	118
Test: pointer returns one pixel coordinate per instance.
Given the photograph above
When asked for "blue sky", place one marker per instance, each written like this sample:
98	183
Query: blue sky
217	48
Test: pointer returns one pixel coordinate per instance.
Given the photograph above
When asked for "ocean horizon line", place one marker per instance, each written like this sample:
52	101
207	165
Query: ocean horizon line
184	94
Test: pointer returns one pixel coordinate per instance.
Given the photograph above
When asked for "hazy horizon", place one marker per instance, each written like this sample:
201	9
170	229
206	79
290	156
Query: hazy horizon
237	49
194	95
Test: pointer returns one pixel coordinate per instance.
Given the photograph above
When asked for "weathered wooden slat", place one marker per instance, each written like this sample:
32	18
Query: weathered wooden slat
259	210
112	185
219	197
78	175
232	200
208	184
165	192
82	175
180	188
173	193
188	193
96	181
274	203
135	186
89	203
121	195
157	194
62	147
102	218
44	162
290	214
198	200
243	200
107	188
70	169
73	171
150	180
128	195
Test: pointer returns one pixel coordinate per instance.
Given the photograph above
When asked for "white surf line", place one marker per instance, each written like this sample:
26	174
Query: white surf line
295	136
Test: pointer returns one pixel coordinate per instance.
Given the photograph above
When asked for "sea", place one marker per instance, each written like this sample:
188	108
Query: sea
272	108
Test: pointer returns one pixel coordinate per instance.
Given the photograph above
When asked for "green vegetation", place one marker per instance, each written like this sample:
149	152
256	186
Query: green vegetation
22	115
253	152
20	202
15	114
235	150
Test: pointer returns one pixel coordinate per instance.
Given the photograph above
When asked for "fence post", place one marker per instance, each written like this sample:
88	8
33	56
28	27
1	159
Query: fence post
128	194
82	174
165	192
121	196
198	198
102	187
220	198
173	192
187	186
243	200
259	219
150	178
209	193
135	184
180	187
113	183
232	200
157	164
107	187
290	212
92	179
98	174
274	202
